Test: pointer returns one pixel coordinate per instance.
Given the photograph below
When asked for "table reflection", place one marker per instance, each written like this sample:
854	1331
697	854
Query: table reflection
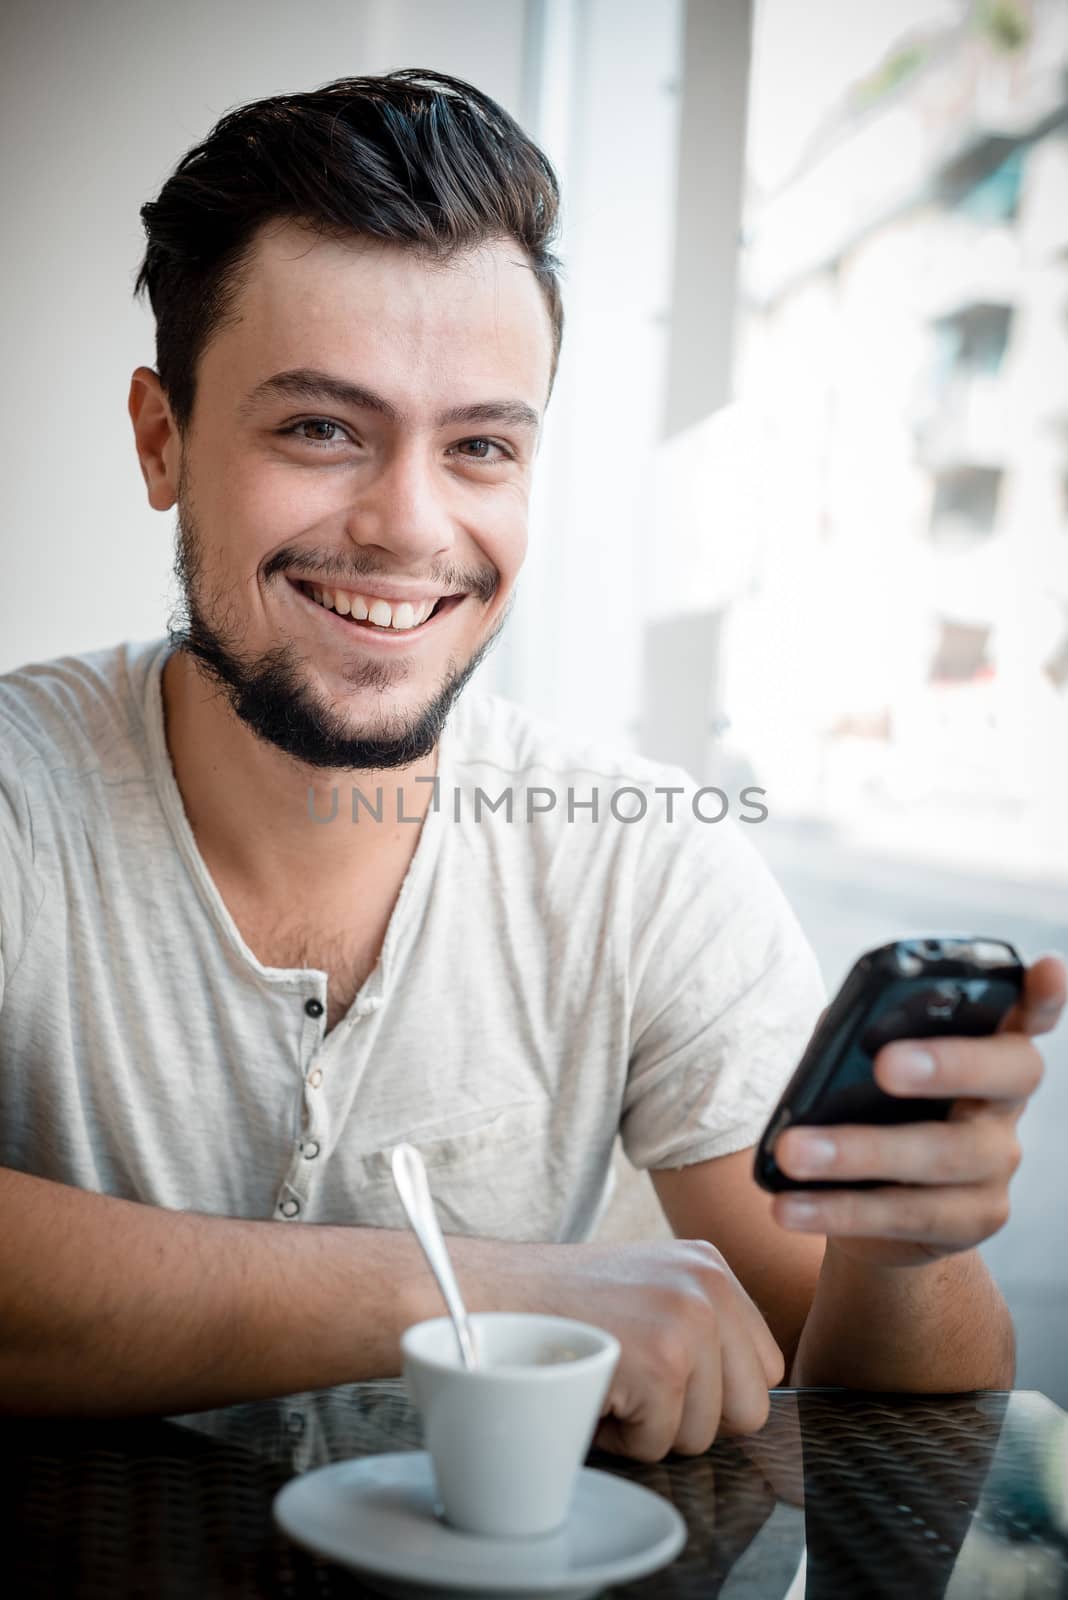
841	1494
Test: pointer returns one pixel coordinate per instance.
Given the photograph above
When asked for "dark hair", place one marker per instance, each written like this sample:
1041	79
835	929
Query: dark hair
414	158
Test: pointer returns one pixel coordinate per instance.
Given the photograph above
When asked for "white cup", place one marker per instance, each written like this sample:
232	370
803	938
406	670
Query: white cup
507	1438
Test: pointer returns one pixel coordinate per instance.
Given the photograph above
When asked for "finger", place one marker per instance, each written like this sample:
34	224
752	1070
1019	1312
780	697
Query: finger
1004	1066
702	1406
727	1390
645	1416
972	1151
772	1361
733	1300
754	1326
950	1218
639	1438
746	1401
1039	1008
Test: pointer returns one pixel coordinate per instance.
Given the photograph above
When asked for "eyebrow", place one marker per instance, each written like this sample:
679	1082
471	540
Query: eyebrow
306	383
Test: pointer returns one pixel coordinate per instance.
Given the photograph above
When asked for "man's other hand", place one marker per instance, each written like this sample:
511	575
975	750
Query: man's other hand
697	1356
949	1181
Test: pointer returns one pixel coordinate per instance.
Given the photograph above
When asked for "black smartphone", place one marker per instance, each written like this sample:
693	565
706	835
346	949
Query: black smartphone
911	989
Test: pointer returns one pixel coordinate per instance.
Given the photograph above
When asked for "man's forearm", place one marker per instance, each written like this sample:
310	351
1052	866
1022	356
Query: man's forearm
110	1307
937	1329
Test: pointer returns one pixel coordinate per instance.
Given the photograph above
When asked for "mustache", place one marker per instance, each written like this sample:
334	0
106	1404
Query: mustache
483	583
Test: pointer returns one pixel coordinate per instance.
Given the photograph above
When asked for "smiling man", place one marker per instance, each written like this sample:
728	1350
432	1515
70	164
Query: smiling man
348	558
224	998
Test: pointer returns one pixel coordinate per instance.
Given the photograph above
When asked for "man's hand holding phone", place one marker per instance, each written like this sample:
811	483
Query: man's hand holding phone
947	1180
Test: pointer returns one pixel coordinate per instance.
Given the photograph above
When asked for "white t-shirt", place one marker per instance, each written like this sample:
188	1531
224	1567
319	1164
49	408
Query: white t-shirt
544	984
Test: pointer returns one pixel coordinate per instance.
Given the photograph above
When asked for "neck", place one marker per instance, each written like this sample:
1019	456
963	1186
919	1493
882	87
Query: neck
250	805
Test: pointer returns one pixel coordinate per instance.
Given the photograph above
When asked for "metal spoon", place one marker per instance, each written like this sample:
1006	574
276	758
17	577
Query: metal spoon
409	1176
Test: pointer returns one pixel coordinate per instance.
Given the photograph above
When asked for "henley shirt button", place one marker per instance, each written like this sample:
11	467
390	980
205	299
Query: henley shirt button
315	1078
290	1208
313	1007
311	1150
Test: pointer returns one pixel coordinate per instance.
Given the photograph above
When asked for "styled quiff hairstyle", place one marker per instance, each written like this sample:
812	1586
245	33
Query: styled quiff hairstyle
413	158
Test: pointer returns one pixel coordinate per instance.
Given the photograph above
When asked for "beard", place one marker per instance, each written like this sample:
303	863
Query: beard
270	692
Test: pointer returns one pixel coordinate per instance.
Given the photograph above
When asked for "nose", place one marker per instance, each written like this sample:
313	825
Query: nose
404	508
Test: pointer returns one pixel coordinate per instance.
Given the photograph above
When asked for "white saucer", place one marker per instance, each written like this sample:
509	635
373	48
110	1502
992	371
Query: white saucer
377	1515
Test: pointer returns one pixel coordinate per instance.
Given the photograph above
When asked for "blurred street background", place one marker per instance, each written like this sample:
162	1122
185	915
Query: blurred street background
903	353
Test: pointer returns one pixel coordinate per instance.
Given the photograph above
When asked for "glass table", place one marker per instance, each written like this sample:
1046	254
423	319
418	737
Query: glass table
840	1494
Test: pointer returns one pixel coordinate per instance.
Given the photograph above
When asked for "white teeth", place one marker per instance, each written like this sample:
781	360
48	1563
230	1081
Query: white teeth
382	613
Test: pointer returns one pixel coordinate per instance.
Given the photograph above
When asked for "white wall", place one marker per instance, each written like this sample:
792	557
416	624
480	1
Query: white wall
607	115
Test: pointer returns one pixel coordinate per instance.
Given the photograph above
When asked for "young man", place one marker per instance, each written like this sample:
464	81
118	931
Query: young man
255	930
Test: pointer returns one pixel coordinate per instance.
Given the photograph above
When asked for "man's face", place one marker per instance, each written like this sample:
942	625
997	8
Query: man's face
291	487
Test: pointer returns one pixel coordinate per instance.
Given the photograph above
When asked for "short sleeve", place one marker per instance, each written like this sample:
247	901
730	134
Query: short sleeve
726	991
20	889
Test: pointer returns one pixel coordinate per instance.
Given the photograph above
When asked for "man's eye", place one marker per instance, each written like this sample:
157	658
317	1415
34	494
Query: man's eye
313	422
491	444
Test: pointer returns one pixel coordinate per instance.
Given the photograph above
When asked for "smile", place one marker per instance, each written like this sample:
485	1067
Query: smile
374	615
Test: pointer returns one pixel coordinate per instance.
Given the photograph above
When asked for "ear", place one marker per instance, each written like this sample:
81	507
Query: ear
156	438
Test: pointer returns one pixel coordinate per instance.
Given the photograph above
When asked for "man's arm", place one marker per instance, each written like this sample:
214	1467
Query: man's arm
939	1329
108	1307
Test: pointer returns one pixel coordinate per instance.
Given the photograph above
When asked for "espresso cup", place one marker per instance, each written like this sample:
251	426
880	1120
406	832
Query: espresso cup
508	1437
